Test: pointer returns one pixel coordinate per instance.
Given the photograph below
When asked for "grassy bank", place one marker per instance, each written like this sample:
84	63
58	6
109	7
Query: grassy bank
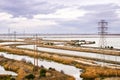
26	71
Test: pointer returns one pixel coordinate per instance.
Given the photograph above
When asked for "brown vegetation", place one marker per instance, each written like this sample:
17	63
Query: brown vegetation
6	77
88	70
23	69
96	72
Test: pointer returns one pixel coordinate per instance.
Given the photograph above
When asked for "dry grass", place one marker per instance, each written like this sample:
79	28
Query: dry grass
23	69
94	72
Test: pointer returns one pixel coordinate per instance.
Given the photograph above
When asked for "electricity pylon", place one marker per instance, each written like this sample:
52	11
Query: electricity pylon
102	32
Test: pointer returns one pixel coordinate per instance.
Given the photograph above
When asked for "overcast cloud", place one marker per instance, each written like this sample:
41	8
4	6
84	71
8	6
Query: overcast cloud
58	16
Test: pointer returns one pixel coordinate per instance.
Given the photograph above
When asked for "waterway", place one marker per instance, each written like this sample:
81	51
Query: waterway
75	53
8	43
70	70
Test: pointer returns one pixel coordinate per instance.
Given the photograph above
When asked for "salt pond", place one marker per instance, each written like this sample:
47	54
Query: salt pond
114	41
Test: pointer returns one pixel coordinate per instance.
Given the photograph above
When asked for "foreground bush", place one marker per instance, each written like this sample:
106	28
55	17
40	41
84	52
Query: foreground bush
30	77
42	72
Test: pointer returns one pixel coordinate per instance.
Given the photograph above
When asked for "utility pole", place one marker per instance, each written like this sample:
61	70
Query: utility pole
102	32
8	33
24	32
15	36
35	52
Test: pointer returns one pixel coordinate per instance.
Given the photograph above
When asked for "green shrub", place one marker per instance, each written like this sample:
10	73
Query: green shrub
42	72
12	79
30	77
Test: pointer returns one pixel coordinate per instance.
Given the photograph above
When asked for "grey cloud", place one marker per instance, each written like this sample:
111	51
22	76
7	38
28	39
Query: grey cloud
85	24
27	7
89	22
101	7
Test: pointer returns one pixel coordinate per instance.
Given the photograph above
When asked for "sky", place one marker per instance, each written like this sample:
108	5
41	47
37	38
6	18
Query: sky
58	16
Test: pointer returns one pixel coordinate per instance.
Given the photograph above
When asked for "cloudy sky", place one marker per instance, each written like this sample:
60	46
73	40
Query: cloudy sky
58	16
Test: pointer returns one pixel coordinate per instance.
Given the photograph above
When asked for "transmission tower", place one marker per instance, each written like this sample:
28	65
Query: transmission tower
102	32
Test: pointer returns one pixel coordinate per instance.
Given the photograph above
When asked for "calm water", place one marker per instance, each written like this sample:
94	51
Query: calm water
5	43
70	70
75	53
111	40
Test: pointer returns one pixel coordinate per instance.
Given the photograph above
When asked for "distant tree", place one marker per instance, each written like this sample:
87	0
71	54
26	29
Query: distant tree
50	68
111	47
